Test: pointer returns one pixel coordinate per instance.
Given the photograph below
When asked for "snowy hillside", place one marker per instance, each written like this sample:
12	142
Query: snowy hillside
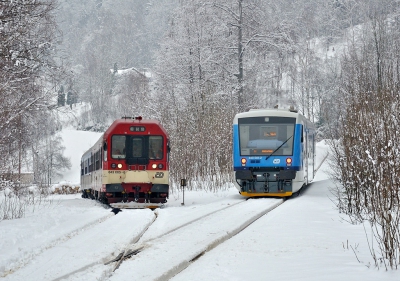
76	143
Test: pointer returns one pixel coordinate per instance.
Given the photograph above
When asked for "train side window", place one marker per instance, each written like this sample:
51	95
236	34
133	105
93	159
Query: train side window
82	169
91	163
97	160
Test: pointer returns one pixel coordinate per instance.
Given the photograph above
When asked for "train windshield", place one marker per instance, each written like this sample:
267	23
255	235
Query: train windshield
264	135
118	147
156	147
134	147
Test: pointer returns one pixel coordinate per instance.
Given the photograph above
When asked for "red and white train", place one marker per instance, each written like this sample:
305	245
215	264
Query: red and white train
128	167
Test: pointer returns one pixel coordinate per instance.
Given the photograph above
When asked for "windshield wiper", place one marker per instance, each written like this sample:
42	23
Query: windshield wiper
278	147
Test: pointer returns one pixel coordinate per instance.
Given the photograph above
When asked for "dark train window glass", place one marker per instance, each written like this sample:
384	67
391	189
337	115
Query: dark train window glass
97	157
88	165
155	147
137	147
263	135
91	163
118	147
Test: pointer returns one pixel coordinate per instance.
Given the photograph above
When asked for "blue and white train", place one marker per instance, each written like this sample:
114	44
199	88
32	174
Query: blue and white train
273	152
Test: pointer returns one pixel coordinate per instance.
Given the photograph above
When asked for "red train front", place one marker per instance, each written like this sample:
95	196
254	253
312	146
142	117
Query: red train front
128	165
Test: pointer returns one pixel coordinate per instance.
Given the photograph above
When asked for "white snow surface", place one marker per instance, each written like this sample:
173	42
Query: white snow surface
303	238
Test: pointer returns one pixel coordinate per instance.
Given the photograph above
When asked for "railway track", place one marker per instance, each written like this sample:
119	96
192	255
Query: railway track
135	249
187	243
145	246
119	256
50	264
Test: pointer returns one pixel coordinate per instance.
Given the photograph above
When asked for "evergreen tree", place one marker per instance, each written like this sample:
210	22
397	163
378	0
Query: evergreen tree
61	96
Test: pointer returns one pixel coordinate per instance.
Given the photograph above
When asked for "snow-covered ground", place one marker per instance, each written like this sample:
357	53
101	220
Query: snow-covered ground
304	238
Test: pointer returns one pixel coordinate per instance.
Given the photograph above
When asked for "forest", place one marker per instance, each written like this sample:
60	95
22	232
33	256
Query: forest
193	65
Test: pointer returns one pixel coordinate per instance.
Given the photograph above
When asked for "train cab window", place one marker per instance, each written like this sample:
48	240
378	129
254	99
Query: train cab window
118	147
156	147
262	136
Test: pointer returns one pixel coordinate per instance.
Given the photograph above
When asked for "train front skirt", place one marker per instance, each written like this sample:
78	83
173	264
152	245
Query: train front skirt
272	183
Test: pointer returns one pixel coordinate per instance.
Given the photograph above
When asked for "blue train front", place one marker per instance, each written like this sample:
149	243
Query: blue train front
273	152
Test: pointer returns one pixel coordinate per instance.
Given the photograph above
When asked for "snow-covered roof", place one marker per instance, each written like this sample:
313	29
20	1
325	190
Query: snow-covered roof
144	72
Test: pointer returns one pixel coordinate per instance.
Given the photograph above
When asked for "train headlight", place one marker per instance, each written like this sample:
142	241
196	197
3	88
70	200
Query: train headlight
113	165
154	166
244	161
119	166
160	166
288	161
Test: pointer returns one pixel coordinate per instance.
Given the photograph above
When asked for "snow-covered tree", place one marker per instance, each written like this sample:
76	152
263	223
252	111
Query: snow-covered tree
28	74
366	154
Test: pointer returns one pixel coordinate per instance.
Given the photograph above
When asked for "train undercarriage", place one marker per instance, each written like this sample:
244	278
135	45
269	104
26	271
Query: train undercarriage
130	196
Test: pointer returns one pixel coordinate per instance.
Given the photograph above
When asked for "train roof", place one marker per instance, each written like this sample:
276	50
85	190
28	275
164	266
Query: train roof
270	112
133	121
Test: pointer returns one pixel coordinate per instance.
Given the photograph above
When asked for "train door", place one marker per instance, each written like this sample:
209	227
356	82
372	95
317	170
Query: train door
137	150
